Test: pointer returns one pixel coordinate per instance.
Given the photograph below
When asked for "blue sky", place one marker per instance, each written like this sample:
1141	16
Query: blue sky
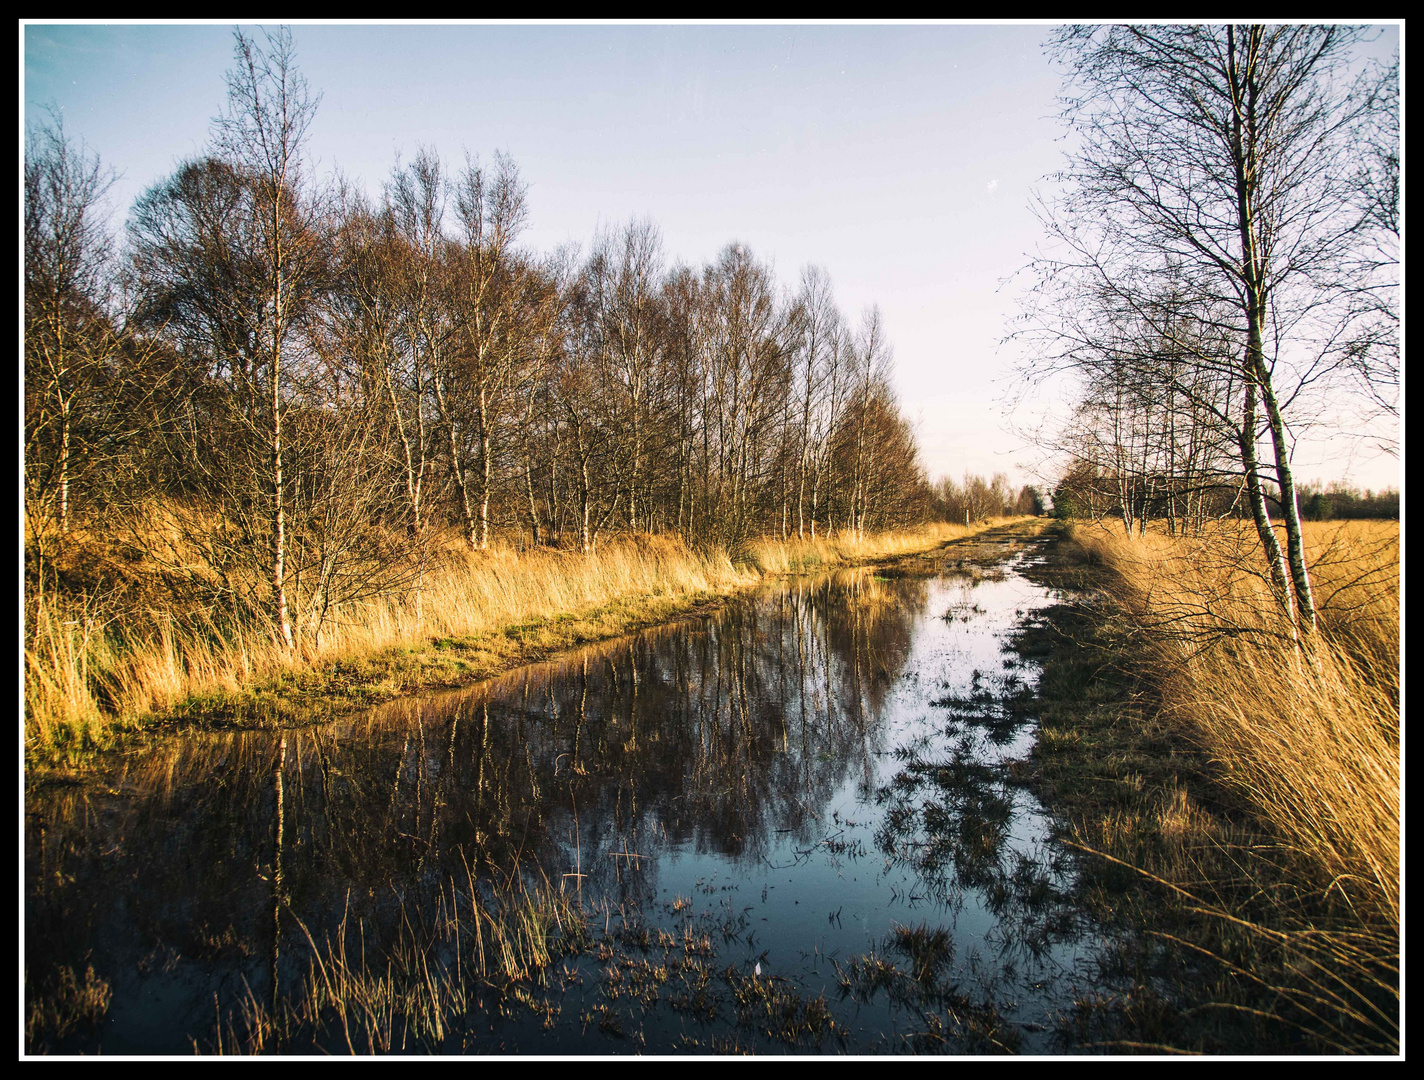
900	157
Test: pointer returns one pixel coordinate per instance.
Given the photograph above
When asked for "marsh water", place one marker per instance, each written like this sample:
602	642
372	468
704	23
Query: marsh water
788	826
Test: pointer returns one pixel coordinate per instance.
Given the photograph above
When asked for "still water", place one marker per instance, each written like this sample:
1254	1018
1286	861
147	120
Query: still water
790	826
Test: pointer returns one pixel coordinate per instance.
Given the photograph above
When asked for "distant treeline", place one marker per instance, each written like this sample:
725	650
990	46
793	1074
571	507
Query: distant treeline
1341	502
976	499
1097	493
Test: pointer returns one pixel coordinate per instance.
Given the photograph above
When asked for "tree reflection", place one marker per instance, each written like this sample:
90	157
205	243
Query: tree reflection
711	736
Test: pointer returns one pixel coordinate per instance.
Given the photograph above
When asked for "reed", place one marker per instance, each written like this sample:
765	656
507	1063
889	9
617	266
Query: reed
95	670
1309	736
419	990
64	1003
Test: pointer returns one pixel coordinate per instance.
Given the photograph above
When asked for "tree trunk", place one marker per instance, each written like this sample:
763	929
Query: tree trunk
1257	500
533	506
64	426
482	416
279	518
1245	87
467	516
1290	509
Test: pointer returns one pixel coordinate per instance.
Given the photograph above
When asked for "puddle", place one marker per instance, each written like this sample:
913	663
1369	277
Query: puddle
791	826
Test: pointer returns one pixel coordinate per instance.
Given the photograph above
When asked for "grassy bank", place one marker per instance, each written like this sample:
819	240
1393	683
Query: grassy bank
94	678
1237	801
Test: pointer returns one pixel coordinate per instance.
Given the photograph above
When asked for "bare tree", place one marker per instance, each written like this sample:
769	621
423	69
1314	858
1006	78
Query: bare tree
872	362
70	337
682	302
425	329
230	257
623	283
268	113
1375	350
748	347
1220	156
837	382
819	340
481	377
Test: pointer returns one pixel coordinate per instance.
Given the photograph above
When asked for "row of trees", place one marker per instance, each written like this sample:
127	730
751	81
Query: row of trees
975	499
1224	267
1341	502
283	391
1089	491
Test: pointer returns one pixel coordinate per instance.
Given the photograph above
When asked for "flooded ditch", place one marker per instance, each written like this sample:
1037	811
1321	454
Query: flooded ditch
789	826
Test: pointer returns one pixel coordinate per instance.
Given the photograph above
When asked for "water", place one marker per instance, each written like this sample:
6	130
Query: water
791	826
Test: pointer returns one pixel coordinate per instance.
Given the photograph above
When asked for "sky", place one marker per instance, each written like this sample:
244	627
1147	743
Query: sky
901	158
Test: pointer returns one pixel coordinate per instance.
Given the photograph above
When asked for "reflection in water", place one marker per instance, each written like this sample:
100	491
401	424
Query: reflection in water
790	744
277	875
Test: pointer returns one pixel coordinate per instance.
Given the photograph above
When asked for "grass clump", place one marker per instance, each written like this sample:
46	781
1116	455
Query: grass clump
1236	799
62	1004
483	948
769	1005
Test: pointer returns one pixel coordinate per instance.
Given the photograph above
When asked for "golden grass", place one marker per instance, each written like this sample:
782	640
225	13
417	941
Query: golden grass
771	556
1310	738
418	990
88	679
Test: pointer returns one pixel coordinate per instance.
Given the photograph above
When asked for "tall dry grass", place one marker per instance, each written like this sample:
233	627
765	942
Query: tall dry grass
1309	737
415	991
771	556
82	673
89	673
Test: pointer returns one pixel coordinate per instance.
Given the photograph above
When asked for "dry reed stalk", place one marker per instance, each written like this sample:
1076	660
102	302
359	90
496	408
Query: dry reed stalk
81	680
401	992
1310	738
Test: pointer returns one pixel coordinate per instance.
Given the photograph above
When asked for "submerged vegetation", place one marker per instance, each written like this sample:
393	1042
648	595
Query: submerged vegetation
420	997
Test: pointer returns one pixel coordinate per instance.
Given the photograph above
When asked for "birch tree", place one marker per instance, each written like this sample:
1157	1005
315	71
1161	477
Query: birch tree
269	111
481	378
1224	156
69	336
819	340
